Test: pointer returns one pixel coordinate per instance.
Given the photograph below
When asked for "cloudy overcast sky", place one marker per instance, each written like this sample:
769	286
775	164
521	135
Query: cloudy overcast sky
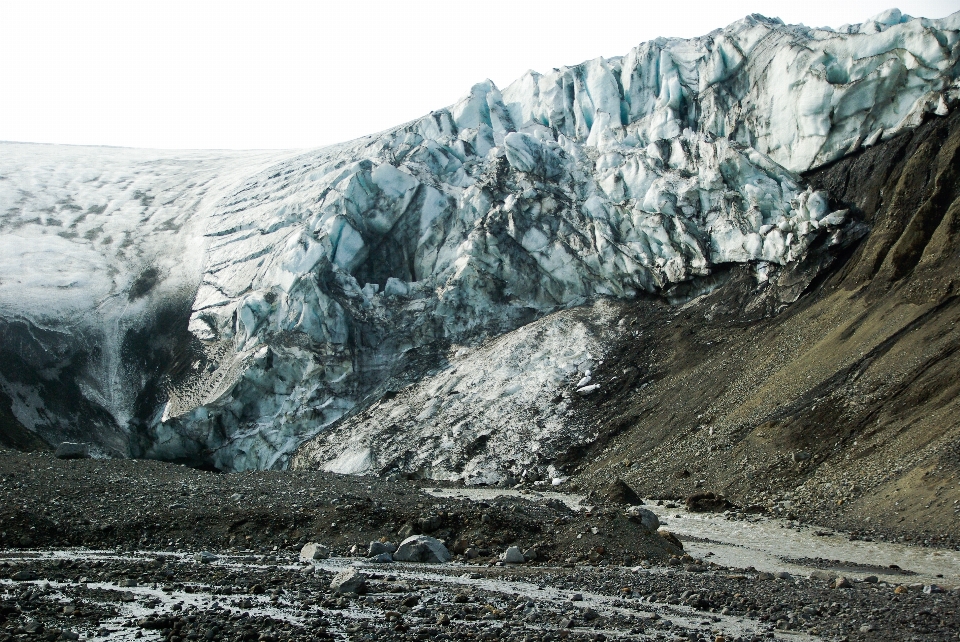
304	74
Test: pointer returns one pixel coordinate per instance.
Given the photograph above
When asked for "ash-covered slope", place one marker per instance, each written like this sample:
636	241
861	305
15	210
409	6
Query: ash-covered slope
844	408
260	299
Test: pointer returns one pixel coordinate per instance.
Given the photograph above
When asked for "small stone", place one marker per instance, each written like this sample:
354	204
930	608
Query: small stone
429	523
513	555
707	502
576	597
819	574
589	614
871	579
382	558
206	557
24	576
783	575
842	582
348	580
764	576
313	551
471	553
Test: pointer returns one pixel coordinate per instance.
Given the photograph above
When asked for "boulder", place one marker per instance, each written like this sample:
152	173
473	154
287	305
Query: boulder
671	539
513	555
422	548
707	503
647	518
206	557
620	493
349	580
24	576
379	548
313	551
72	450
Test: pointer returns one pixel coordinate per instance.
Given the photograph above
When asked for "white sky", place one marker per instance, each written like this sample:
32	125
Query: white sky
274	74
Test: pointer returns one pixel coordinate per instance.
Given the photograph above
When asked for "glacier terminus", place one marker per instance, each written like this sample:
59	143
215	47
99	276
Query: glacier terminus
230	308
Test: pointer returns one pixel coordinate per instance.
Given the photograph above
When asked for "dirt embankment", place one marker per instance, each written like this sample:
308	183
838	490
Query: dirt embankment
844	408
196	555
47	502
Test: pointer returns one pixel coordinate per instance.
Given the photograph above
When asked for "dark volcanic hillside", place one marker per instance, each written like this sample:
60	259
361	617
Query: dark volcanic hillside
844	408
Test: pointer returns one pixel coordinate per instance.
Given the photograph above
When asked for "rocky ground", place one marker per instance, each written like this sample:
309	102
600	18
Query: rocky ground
132	549
48	502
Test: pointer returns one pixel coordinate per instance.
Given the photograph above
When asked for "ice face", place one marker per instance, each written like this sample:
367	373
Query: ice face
227	307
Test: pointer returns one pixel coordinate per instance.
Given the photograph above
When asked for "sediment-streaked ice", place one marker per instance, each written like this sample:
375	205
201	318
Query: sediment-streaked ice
226	307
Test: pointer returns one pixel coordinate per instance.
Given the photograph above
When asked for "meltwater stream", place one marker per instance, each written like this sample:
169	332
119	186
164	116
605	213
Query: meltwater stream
774	545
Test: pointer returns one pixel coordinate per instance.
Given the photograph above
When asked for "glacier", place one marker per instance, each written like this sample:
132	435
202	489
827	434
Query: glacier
226	307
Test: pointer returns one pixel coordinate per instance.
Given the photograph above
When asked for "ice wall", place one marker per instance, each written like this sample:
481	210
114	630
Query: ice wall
315	279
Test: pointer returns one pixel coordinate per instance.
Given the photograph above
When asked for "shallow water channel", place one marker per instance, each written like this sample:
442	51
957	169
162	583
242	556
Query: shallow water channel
773	545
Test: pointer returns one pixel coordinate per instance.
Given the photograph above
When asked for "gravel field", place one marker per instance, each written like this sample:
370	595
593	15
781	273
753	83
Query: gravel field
120	550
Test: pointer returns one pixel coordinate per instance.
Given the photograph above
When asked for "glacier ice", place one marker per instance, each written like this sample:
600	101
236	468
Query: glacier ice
226	307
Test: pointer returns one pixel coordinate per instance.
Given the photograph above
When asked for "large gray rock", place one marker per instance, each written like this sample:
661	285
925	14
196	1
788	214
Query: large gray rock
647	518
313	551
422	548
513	555
72	450
349	580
